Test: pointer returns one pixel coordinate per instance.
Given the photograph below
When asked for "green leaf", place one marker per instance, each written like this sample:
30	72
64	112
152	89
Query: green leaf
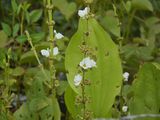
3	39
18	71
62	87
67	9
38	104
21	39
28	57
35	15
15	29
147	81
6	28
36	37
142	5
111	23
14	5
106	78
23	113
69	97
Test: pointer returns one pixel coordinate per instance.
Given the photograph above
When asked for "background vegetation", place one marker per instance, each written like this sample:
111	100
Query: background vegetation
133	25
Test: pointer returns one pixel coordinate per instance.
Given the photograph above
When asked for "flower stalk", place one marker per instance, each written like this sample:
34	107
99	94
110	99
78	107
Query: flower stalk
50	22
36	55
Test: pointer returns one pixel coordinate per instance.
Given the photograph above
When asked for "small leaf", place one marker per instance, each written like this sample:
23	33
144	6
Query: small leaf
128	6
14	5
21	39
15	29
6	28
35	15
36	37
3	39
111	23
62	87
62	5
142	5
18	71
28	57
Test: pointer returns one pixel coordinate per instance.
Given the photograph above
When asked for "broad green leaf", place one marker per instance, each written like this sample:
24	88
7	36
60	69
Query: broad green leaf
3	39
106	78
142	5
146	91
69	97
6	28
15	29
67	9
35	15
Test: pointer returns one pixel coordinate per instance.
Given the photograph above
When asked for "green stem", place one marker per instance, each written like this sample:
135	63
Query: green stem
51	39
83	95
129	24
36	55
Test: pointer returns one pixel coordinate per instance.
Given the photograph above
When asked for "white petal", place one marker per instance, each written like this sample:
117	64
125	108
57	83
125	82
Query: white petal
45	53
87	63
83	13
124	108
58	35
126	76
55	51
77	80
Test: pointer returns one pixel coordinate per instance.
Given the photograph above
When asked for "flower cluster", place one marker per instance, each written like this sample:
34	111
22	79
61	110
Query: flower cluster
86	63
83	13
46	52
126	76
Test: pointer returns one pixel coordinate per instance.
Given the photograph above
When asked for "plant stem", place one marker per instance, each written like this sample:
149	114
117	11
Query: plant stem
51	39
83	95
36	55
129	24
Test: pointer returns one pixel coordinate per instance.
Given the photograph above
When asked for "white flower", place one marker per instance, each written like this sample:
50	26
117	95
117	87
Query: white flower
126	76
83	13
45	52
87	63
125	108
77	79
55	51
58	35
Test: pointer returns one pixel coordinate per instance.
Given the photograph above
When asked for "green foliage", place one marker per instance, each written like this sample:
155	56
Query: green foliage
146	92
142	5
6	29
35	15
108	74
3	39
129	40
68	9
